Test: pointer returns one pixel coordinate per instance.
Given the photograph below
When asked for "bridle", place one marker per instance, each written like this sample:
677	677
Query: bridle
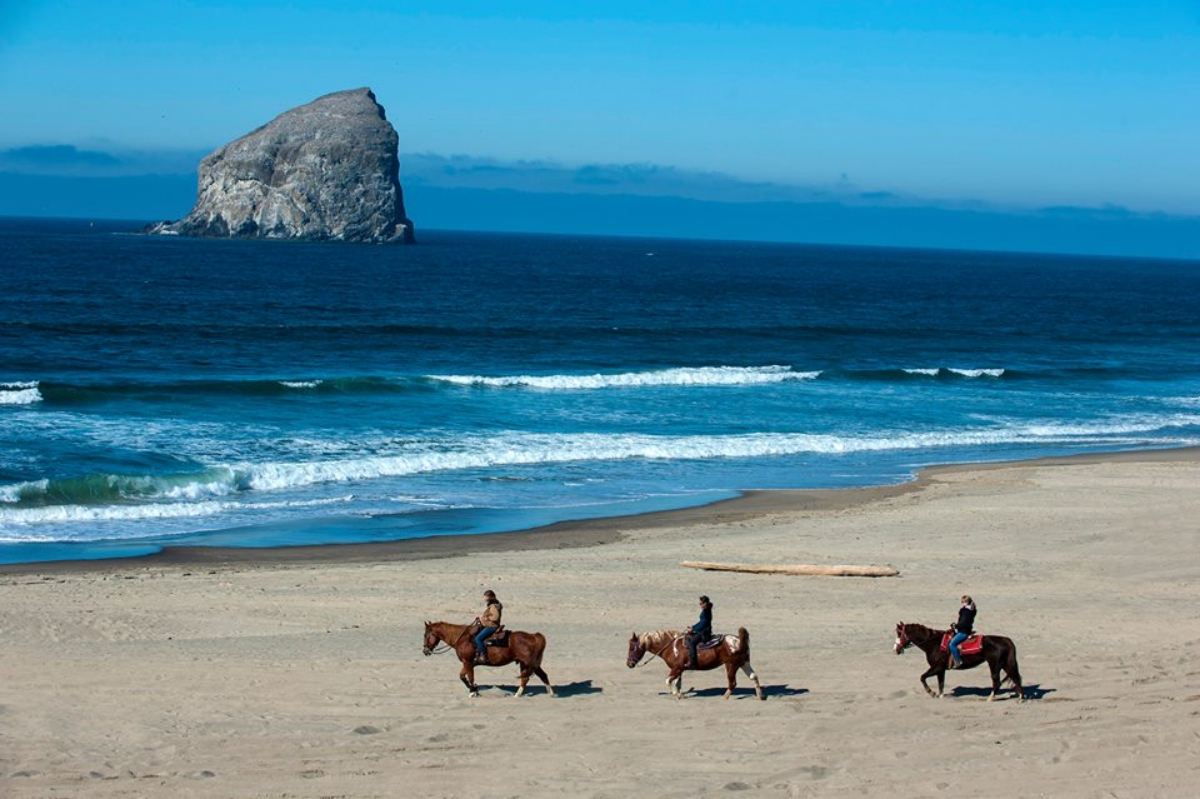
902	640
641	650
445	645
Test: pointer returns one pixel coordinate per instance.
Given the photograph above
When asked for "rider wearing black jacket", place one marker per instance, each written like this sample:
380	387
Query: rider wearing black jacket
699	632
962	630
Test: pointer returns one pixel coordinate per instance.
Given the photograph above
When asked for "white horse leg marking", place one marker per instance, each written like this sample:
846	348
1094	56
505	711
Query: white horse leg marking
746	667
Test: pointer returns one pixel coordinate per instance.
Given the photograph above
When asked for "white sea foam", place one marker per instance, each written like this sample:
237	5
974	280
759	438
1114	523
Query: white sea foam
13	492
300	383
959	372
19	393
978	372
106	513
516	449
696	376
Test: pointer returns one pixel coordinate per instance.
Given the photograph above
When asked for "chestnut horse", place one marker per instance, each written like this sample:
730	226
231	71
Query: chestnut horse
526	649
998	652
668	645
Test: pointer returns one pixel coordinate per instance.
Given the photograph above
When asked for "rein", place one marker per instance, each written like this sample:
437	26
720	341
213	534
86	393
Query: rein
658	654
449	647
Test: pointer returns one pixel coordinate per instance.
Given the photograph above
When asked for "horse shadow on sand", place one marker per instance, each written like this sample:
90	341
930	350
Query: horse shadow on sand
769	692
561	690
1033	692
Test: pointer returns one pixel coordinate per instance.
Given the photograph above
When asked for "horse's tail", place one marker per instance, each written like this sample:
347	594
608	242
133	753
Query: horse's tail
539	649
744	641
1010	665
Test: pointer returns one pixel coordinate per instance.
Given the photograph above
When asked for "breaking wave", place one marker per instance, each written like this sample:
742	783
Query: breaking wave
83	513
941	371
91	497
19	393
695	376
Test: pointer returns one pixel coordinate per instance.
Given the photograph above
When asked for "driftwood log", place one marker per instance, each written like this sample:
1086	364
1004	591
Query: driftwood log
798	569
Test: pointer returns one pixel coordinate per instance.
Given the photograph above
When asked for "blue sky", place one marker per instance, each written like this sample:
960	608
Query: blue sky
1016	104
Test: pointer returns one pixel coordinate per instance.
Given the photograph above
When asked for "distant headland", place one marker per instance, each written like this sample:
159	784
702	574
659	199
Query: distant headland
326	171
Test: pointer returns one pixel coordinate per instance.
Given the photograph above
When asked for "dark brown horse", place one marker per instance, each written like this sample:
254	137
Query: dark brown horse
668	645
998	652
525	649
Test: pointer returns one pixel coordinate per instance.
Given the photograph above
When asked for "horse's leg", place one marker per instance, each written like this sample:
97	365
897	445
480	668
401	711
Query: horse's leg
541	675
469	679
941	677
994	665
746	667
940	672
731	677
675	682
467	675
524	678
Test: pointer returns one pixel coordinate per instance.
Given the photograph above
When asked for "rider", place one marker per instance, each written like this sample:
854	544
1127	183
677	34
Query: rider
489	621
962	630
699	632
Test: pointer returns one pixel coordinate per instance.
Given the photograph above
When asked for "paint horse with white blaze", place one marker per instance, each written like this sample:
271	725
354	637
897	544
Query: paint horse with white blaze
731	651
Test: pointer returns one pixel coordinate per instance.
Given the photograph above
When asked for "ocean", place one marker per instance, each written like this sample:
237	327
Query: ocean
159	391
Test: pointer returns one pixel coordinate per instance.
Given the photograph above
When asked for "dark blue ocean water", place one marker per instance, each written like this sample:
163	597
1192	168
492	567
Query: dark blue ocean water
164	390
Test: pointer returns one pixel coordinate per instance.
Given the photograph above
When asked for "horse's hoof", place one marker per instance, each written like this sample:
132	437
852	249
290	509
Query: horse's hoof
727	695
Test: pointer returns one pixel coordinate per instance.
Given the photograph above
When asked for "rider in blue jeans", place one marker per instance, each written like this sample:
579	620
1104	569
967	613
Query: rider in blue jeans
489	622
962	630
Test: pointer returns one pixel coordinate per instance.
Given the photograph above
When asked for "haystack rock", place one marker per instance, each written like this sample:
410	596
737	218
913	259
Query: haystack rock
328	170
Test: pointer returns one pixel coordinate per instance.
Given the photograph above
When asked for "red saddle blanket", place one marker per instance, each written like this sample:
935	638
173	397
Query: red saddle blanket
971	646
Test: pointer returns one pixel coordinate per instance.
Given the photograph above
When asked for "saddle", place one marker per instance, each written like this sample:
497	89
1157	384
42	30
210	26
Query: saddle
498	638
711	643
971	646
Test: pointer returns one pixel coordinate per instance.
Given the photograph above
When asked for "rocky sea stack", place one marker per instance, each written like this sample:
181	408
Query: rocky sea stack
326	171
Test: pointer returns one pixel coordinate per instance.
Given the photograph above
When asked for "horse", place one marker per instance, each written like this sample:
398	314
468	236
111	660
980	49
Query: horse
668	645
526	649
998	652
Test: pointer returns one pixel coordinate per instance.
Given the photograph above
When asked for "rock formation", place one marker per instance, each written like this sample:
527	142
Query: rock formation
328	170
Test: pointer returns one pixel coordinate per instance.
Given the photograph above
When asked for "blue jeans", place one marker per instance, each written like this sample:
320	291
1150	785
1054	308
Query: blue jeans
481	637
954	642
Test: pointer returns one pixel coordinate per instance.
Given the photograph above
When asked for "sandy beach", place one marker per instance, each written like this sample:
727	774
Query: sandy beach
299	673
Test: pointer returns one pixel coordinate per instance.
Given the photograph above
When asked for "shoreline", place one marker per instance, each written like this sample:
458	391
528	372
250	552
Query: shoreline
749	505
266	678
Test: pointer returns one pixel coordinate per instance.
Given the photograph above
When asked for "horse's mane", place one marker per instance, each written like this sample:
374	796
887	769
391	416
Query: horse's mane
920	630
658	638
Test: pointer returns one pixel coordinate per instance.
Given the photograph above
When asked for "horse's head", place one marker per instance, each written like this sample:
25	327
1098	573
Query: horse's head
902	640
636	651
431	639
